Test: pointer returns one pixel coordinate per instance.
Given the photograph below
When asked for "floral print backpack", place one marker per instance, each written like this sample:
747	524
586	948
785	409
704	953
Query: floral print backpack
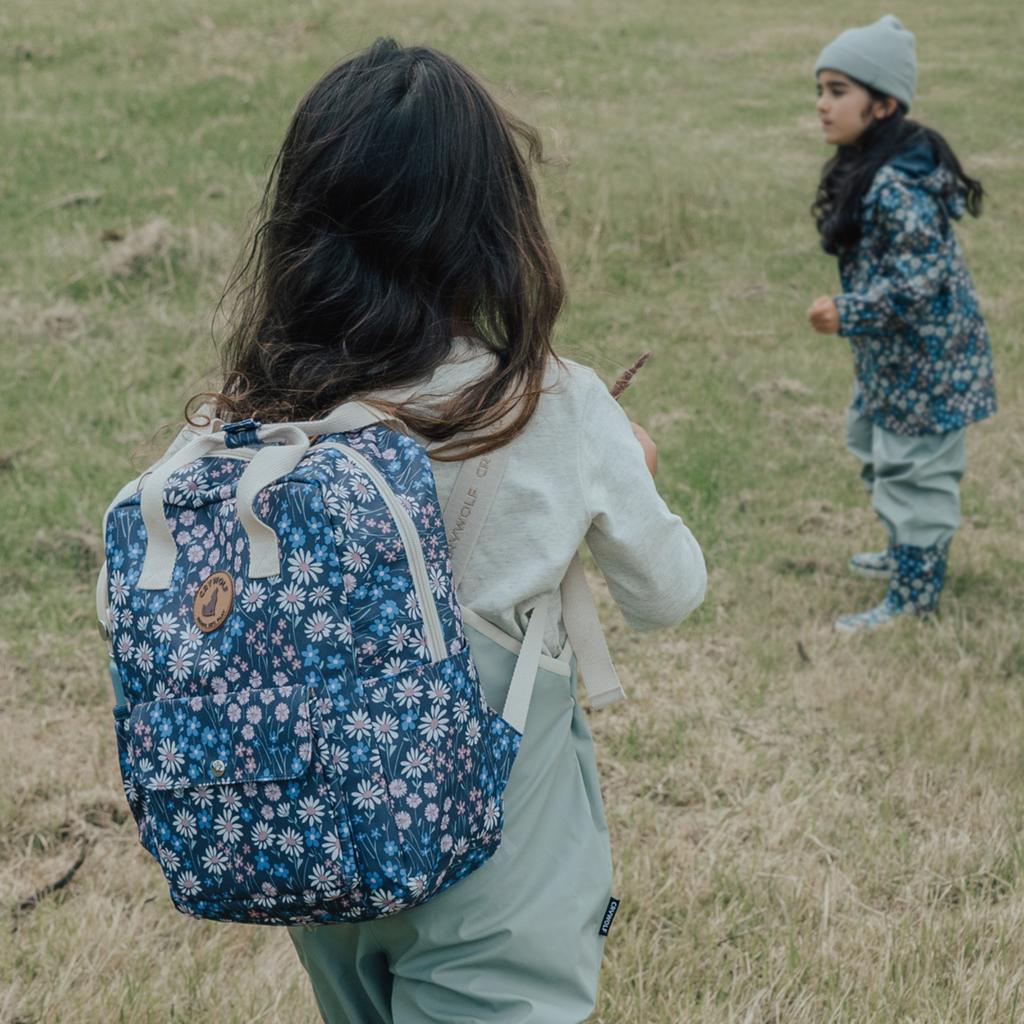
301	732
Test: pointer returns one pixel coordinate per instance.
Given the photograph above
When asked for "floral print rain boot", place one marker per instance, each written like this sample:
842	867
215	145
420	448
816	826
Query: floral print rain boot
914	587
876	565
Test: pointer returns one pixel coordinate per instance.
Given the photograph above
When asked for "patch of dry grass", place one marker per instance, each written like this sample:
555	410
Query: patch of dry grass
106	946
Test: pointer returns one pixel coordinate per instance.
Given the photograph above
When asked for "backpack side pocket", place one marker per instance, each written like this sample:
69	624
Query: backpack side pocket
122	729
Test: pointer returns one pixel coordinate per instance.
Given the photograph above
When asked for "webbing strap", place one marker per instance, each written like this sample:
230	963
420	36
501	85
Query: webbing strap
272	463
158	567
587	638
346	418
469	504
102	605
464	515
268	465
520	690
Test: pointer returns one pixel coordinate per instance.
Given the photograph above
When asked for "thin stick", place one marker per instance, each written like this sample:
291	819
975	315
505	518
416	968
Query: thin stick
25	905
623	382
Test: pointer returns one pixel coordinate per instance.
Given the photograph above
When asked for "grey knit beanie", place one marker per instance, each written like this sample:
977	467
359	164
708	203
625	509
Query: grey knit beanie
880	55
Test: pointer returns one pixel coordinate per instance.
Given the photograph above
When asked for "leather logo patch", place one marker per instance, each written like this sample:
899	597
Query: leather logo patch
213	601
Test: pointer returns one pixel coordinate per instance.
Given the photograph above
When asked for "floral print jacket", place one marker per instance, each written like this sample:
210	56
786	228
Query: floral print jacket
909	309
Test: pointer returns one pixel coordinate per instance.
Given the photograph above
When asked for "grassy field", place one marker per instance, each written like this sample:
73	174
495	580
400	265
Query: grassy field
806	828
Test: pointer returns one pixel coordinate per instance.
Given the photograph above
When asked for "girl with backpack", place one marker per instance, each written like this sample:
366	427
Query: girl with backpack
400	259
885	206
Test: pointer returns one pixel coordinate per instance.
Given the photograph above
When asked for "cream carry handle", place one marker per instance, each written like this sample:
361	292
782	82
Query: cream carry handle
273	462
158	567
464	514
267	466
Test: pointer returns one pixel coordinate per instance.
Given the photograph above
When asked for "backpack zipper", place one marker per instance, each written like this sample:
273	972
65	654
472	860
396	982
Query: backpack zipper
413	549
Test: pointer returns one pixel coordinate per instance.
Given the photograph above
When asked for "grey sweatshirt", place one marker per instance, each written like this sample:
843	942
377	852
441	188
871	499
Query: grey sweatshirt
576	473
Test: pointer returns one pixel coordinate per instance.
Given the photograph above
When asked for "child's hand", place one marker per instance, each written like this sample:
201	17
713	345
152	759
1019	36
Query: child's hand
649	447
824	316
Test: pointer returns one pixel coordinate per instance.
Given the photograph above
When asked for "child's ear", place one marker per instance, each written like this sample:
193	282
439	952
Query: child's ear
884	108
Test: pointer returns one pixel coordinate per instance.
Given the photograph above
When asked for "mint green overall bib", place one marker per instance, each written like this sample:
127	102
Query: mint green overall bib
516	941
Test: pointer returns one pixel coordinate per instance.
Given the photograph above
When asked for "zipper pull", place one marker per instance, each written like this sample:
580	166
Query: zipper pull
243	434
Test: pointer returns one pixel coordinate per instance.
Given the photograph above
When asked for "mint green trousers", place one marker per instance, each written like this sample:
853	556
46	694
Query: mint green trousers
914	481
516	941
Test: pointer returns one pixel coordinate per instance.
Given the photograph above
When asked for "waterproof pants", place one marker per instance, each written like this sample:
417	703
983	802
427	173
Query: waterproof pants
516	941
914	481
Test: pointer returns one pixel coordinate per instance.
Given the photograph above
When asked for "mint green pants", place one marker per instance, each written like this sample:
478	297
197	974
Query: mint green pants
914	481
516	941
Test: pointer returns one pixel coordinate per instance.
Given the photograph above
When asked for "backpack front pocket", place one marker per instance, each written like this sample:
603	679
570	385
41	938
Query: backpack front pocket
236	804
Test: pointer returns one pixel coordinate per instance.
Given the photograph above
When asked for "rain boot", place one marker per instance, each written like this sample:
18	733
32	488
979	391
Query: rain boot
914	587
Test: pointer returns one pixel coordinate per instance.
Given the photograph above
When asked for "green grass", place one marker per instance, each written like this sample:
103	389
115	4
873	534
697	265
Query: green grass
805	828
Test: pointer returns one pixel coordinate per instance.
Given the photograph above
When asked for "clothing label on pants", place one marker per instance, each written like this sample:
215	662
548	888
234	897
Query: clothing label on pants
609	915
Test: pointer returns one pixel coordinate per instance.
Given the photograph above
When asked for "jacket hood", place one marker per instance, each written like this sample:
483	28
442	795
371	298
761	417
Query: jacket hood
917	167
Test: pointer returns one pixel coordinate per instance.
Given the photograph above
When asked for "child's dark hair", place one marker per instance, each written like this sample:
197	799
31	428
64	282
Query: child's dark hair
400	212
847	176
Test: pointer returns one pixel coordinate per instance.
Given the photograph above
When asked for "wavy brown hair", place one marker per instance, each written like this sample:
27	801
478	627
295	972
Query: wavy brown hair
400	213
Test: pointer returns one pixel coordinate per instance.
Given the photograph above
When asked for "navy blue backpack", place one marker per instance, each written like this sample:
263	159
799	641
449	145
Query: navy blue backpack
301	731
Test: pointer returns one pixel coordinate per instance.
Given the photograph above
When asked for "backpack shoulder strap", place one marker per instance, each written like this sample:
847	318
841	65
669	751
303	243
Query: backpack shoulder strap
469	504
587	638
464	515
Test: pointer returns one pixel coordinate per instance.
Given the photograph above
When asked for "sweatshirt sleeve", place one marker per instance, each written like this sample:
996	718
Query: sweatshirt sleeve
915	260
653	564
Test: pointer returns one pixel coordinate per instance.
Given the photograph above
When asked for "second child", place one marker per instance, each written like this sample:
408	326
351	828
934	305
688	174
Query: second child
885	208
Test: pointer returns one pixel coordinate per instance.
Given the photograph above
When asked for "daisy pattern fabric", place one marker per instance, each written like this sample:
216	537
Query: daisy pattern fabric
920	346
307	760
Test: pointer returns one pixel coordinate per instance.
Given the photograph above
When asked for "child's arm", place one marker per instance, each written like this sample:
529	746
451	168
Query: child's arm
653	564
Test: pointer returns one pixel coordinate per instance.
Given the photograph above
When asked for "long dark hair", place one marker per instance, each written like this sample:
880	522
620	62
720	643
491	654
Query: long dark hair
400	212
847	177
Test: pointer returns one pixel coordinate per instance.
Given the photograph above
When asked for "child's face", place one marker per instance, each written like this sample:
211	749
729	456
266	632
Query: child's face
845	108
